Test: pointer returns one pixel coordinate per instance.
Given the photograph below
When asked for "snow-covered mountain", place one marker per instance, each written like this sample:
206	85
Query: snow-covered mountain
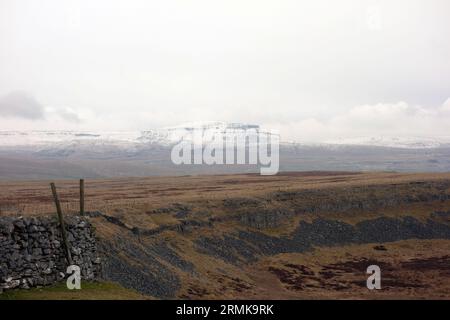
74	154
45	138
168	136
164	136
406	142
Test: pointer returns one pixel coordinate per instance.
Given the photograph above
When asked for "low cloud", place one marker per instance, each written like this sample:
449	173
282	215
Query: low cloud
20	110
384	119
66	114
21	105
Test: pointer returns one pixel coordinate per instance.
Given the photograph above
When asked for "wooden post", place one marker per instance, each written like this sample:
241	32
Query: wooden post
81	197
61	223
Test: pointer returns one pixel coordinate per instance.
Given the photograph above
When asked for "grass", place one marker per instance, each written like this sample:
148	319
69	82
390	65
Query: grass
146	194
136	202
88	291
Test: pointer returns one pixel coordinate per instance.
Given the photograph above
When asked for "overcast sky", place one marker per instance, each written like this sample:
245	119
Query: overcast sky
315	70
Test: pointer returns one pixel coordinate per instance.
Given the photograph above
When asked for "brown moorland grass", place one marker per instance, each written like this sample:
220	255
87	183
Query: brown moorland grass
34	197
149	203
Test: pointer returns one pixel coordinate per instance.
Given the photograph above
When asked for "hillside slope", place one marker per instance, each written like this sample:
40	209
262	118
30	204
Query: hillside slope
293	236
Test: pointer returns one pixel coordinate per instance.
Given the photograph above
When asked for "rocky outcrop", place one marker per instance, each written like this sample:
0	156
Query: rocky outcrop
363	198
246	246
148	268
32	253
264	218
184	226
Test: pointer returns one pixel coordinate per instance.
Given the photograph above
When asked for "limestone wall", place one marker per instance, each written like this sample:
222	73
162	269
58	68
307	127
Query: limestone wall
32	252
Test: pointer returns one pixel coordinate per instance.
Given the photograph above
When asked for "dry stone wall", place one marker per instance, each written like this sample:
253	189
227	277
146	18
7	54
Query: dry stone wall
32	252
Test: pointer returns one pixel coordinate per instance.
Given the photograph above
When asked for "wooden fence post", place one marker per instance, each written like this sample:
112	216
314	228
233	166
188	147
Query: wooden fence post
81	197
61	223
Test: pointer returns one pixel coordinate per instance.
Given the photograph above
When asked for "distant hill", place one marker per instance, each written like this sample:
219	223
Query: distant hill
70	154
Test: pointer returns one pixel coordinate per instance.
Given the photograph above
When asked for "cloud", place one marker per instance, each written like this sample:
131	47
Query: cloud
65	113
383	119
20	110
20	104
69	115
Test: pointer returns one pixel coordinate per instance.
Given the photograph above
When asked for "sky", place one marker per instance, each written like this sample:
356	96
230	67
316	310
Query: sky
314	70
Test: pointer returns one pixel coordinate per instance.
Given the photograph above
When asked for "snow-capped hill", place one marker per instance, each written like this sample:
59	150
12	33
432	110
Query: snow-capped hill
208	130
46	140
73	154
43	138
132	140
395	142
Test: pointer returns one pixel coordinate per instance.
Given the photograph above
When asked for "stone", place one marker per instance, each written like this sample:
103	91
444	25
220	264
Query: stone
47	271
70	237
31	251
19	224
33	228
